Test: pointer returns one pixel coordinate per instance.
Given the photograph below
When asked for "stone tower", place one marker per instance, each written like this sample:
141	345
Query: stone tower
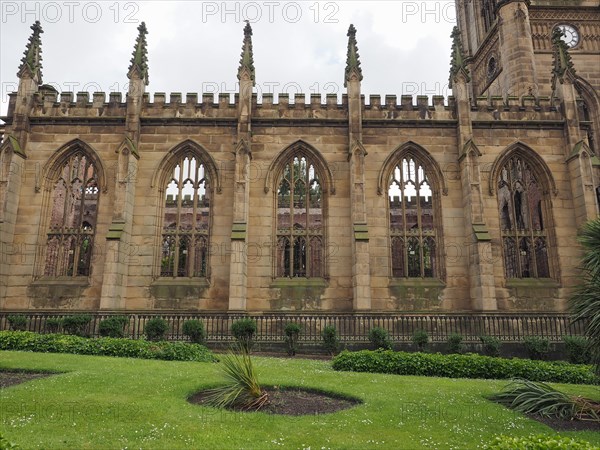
508	42
524	52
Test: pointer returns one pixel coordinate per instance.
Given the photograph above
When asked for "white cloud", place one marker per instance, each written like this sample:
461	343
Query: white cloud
195	45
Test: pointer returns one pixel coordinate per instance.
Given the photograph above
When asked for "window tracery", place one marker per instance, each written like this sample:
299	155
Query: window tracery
74	209
412	226
186	220
300	236
522	221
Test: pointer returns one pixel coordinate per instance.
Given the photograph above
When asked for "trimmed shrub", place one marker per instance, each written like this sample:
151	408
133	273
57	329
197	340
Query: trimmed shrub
455	344
292	331
420	339
379	338
537	347
194	329
113	326
156	329
18	322
578	349
490	345
331	341
53	324
128	348
243	330
538	442
77	324
463	366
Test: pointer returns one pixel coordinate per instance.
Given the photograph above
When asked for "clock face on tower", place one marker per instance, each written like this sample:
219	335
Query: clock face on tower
571	37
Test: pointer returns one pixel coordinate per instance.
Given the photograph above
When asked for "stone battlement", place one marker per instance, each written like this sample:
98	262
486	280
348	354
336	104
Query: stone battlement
514	108
304	106
525	103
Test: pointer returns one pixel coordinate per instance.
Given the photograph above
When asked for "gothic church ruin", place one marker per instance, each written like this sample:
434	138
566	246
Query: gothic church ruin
147	202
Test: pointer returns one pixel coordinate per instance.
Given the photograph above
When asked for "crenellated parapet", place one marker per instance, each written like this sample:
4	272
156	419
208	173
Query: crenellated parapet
304	106
190	106
420	107
515	108
80	105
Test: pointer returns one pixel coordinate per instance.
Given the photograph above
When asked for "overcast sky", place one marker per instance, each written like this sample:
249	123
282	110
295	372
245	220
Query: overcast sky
194	46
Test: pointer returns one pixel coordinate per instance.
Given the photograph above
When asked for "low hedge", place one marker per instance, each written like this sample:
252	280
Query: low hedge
462	366
539	442
106	346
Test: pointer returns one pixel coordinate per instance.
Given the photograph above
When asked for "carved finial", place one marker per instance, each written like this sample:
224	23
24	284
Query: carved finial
561	58
247	59
352	58
458	62
520	13
31	62
139	58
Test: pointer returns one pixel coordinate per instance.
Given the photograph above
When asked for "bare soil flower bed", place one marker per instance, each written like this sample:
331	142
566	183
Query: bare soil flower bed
12	377
566	425
294	401
559	424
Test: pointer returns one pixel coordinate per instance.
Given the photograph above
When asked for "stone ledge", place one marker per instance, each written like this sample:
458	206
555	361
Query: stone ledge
299	282
181	281
535	283
61	281
417	282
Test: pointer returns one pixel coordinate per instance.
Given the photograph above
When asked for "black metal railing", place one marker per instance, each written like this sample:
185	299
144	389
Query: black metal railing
352	328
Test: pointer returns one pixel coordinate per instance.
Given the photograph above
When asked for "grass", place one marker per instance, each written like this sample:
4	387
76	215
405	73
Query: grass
103	402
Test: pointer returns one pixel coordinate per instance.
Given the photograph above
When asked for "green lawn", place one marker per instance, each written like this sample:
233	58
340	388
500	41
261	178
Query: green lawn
102	402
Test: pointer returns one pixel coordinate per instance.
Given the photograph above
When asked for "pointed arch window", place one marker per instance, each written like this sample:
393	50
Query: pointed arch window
186	220
523	221
413	230
589	117
74	209
488	11
300	240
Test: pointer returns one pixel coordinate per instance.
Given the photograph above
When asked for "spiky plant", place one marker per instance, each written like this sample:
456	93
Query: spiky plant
242	390
585	304
531	397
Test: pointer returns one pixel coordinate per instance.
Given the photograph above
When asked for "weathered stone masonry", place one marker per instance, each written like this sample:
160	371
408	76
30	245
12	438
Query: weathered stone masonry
480	239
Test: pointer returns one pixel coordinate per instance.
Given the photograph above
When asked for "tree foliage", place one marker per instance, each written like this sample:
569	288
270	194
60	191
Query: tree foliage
585	303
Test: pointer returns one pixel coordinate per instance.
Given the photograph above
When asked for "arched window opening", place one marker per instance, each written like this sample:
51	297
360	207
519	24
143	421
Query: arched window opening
300	237
521	208
186	220
74	208
587	117
488	11
412	225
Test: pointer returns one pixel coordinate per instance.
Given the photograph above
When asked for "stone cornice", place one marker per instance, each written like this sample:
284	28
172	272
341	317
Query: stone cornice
338	123
522	124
